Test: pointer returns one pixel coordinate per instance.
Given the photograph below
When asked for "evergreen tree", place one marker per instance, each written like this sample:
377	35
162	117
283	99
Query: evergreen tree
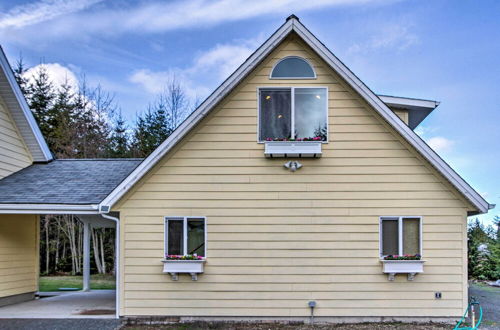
19	72
481	260
118	146
40	95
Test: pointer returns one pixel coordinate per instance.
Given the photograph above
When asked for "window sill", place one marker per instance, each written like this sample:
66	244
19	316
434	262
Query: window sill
284	149
176	267
410	267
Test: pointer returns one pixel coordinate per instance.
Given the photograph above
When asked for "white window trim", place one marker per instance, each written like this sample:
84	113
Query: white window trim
400	232
184	232
292	91
300	78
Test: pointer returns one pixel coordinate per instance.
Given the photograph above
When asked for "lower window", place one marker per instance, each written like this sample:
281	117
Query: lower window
185	235
400	236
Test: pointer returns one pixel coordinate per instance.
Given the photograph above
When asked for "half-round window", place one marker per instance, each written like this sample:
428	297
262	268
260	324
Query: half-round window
293	67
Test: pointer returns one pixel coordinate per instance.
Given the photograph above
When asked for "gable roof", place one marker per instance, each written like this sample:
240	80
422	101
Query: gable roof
69	182
21	113
293	24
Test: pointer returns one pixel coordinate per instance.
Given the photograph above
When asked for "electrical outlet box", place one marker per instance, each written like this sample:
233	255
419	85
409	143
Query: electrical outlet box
437	295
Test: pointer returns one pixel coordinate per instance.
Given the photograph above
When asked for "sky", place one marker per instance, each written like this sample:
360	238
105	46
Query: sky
443	50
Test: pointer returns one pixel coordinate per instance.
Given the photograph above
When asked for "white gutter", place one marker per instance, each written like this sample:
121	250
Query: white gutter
117	256
48	209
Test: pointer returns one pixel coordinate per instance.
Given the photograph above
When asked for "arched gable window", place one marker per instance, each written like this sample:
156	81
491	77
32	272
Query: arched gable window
293	67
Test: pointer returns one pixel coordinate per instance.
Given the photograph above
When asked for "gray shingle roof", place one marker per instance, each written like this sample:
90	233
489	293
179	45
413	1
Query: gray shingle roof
66	181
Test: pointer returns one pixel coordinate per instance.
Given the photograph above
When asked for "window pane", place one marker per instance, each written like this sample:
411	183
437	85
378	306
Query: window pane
175	239
411	236
310	113
293	67
196	236
390	238
275	114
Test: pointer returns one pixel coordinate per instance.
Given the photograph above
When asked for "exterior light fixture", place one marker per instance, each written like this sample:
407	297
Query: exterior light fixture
292	165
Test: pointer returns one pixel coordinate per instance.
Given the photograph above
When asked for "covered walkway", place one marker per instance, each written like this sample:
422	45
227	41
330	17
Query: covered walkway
80	304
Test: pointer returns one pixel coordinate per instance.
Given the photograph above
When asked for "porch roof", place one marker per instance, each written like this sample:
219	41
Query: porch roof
66	181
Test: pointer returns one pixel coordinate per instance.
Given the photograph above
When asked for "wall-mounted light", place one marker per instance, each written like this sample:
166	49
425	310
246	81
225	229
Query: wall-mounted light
292	165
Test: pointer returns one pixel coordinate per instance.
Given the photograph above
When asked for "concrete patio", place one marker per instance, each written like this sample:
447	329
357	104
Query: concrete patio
80	304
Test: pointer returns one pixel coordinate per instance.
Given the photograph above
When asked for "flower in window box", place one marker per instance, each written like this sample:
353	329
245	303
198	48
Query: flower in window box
403	257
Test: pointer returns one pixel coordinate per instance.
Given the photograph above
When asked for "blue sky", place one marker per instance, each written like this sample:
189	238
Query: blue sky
444	50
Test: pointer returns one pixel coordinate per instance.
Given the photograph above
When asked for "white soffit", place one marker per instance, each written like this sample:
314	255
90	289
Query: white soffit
293	24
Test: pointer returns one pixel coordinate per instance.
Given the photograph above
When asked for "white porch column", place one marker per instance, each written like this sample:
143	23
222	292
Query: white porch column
86	256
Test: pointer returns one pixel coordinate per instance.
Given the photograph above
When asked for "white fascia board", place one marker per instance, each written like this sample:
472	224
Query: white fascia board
408	102
48	209
198	114
343	71
475	198
4	63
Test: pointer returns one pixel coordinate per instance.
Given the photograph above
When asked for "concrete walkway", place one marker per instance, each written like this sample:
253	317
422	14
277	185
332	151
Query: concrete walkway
93	304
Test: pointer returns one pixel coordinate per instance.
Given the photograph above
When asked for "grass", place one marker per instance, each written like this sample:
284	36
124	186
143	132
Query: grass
97	282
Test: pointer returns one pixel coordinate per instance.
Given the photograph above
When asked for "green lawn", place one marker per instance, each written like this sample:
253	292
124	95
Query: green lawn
97	282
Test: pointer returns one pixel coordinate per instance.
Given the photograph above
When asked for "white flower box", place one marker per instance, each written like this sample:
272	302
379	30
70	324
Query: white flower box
410	267
280	149
176	267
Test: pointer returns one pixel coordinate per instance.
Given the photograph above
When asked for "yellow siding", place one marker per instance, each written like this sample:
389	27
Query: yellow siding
14	154
402	114
18	254
278	239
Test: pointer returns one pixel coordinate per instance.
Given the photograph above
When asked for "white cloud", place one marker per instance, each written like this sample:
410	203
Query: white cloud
152	82
58	75
216	64
223	59
389	36
42	11
68	19
440	144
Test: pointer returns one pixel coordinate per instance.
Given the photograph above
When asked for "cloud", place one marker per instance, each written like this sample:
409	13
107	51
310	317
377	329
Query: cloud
389	36
208	69
73	19
152	82
58	75
440	144
42	11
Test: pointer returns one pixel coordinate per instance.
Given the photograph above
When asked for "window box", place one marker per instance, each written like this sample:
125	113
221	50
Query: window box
280	149
410	267
192	267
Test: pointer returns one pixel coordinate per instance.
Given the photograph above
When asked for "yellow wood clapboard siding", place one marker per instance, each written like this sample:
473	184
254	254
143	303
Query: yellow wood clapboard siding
278	239
18	254
14	154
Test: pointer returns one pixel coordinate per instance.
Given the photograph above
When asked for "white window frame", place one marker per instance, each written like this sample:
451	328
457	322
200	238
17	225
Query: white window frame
292	91
184	232
400	232
301	78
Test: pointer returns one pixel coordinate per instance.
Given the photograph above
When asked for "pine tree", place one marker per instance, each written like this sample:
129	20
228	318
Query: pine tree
40	94
118	146
19	72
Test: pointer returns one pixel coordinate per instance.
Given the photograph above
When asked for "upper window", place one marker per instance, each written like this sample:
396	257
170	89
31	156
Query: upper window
400	235
292	113
185	235
293	67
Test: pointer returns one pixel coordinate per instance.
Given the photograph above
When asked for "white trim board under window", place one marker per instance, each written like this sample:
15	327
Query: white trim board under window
396	232
179	229
293	112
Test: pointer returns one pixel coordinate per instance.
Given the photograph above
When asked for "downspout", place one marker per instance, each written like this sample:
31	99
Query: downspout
117	256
